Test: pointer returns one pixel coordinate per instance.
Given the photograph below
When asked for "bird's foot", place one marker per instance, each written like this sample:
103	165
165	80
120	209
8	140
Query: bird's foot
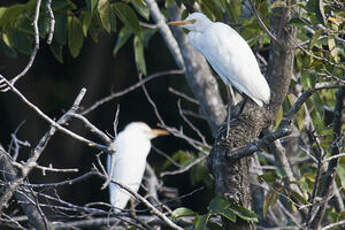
228	121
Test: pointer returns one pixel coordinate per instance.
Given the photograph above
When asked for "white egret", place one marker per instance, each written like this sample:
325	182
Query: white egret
229	55
132	147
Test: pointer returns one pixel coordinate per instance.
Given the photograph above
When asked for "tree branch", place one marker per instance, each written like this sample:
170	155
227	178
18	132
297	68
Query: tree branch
30	210
329	176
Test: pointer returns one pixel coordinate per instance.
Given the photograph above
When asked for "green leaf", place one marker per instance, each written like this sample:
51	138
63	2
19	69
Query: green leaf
269	177
220	206
60	31
214	226
8	51
127	16
75	36
141	8
299	197
180	212
11	15
122	38
139	55
278	4
318	105
2	11
169	3
316	7
21	41
315	37
62	6
270	200
56	49
244	213
107	15
147	35
279	117
85	18
297	22
95	28
300	118
201	222
210	9
234	9
333	48
91	5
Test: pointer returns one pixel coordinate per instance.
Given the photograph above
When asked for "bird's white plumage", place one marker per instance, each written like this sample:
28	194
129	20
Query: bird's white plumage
132	147
229	55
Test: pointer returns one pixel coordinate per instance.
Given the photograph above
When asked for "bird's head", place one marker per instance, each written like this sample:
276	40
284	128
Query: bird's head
142	129
194	22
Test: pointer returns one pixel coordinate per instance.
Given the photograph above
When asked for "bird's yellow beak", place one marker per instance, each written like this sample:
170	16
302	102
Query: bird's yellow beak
159	132
181	23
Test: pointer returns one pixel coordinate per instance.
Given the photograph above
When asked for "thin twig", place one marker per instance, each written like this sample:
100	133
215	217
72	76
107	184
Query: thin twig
184	169
33	54
32	161
51	22
184	96
191	125
51	121
142	199
131	88
262	24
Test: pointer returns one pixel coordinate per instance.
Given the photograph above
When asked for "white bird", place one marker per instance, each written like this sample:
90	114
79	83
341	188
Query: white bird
229	55
132	147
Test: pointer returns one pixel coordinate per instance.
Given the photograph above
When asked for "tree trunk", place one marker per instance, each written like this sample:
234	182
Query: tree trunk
232	177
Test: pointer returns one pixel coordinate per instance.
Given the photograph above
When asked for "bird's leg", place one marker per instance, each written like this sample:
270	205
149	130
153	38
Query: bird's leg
228	117
243	103
132	206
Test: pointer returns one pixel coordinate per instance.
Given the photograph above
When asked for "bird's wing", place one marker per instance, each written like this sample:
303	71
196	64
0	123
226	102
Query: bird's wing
127	170
118	197
233	60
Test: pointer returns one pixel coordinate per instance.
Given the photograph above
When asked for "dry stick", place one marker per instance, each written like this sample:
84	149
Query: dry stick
184	169
30	210
131	88
332	166
166	156
51	22
33	54
65	182
331	226
191	125
184	96
142	199
51	121
92	128
165	32
32	161
318	153
262	24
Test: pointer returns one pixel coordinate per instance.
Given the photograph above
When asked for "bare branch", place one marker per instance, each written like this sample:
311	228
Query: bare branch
184	169
51	121
262	24
32	161
332	166
51	22
130	89
30	210
256	146
142	199
164	30
33	53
